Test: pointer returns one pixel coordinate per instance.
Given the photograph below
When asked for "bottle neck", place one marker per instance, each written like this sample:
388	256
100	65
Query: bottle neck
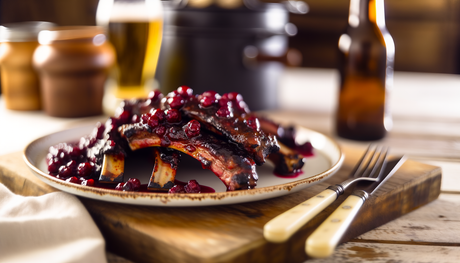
363	12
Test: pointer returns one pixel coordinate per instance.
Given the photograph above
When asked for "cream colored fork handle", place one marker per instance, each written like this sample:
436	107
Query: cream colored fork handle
280	228
322	242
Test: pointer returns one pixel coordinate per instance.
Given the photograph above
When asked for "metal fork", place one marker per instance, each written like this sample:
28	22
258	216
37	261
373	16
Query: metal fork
368	168
323	241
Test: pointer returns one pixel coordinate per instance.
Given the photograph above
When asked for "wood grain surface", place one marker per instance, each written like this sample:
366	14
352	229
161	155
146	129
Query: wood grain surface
233	233
427	234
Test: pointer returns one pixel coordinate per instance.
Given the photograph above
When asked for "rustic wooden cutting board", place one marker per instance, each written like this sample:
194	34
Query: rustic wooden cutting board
233	233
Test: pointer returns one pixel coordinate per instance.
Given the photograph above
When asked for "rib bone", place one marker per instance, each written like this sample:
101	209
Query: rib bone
164	169
113	167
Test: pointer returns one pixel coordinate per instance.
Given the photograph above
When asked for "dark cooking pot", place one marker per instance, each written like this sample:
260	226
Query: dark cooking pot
213	48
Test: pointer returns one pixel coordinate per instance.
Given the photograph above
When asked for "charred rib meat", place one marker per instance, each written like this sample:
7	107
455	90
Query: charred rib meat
219	131
231	164
228	115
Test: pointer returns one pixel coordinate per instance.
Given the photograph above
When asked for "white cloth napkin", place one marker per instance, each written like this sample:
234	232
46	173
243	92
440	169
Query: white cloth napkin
51	228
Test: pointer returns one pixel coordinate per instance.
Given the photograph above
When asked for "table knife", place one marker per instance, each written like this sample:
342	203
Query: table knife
323	241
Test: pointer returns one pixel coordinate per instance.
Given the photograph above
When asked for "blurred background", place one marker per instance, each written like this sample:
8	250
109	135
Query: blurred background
425	32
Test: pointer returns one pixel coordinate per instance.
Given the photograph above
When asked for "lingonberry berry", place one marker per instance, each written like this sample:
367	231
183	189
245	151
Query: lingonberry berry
176	102
64	172
124	117
153	121
176	189
160	131
160	114
223	102
232	99
192	187
89	182
128	186
305	149
73	165
111	143
85	169
192	128
209	93
99	130
73	179
242	106
234	96
224	112
74	152
207	101
133	184
54	164
185	92
119	186
154	95
145	118
135	119
173	116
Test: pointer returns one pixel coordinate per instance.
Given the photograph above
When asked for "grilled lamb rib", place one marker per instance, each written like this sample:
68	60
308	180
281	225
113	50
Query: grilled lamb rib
232	165
111	150
227	115
287	160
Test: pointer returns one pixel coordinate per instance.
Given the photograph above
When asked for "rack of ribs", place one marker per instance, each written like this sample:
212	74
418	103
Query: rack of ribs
231	164
228	115
218	131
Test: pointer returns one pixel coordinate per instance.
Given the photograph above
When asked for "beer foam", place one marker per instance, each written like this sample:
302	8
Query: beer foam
136	11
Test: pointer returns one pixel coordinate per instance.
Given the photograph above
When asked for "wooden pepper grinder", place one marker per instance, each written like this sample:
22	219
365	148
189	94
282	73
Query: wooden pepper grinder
366	73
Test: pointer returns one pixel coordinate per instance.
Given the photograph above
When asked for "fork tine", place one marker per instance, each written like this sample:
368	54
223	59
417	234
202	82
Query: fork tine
363	164
379	163
367	169
371	162
358	165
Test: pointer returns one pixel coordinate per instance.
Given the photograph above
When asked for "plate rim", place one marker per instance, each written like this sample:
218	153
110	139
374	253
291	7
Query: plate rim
216	198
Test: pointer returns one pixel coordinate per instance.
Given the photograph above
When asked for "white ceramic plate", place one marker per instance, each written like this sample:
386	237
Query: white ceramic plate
326	161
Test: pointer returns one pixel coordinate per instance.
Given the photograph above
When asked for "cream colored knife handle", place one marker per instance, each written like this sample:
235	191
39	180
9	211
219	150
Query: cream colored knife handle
280	228
322	242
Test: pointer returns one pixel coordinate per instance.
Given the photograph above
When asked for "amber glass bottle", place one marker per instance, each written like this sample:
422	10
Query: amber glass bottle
366	73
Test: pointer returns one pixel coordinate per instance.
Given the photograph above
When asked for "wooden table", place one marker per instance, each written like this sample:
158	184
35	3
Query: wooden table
426	128
426	115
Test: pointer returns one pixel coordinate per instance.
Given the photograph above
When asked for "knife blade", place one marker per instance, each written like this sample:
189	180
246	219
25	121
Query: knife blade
323	241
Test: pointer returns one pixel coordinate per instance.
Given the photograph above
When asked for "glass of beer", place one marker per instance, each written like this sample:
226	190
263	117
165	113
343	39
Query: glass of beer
135	29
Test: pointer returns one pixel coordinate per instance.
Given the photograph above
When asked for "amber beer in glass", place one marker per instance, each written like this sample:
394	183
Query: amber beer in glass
366	73
135	29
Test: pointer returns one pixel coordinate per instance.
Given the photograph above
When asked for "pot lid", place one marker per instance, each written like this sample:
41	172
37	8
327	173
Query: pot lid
293	6
239	15
23	31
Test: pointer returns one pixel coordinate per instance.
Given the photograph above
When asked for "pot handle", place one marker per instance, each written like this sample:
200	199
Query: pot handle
293	6
297	7
252	57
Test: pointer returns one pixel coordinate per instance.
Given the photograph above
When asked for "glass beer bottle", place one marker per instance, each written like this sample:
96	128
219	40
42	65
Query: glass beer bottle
366	73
